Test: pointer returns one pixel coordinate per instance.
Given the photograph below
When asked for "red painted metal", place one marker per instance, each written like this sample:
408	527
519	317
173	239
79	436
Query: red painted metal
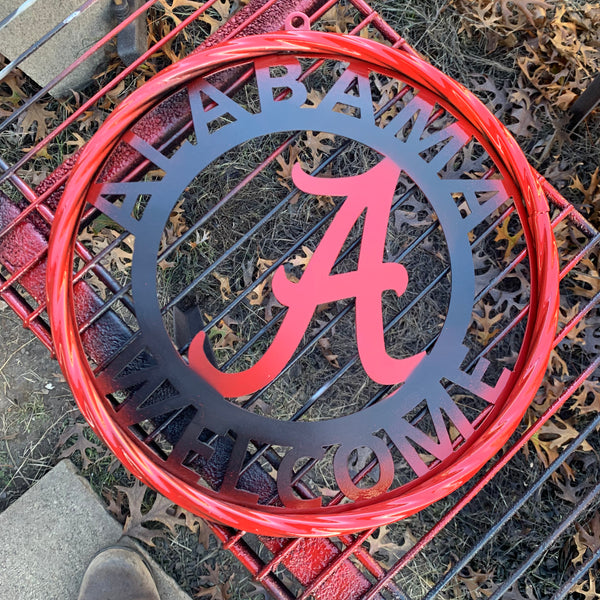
503	418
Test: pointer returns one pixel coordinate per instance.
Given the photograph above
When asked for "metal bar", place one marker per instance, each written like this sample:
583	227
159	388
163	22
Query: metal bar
495	529
325	574
23	310
585	104
543	547
23	270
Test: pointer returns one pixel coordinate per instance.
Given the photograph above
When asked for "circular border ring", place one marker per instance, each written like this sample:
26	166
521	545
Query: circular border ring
537	343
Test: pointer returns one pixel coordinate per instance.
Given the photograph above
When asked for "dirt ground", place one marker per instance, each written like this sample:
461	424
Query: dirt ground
35	406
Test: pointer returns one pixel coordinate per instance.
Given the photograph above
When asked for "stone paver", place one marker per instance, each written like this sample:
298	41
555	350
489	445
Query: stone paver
66	46
50	534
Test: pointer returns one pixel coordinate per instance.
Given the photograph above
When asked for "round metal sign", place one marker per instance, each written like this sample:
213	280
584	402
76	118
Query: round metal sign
298	352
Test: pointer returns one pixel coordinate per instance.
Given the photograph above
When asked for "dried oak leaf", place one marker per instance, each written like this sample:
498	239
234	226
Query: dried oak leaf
221	8
513	290
197	525
514	593
566	315
587	398
591	341
81	443
523	7
569	491
495	98
224	286
587	538
591	194
286	165
317	146
484	326
256	591
477	583
222	335
415	213
587	589
161	511
554	435
169	8
589	279
13	81
339	19
325	348
212	588
35	119
524	123
549	391
504	235
262	290
302	261
387	550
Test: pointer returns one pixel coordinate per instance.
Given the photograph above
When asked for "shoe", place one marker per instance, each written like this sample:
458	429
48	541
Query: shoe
118	573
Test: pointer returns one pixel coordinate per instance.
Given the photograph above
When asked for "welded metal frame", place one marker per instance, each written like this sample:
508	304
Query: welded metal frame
347	557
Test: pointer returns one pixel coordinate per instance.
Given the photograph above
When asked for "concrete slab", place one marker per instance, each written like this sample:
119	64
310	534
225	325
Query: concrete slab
49	535
66	46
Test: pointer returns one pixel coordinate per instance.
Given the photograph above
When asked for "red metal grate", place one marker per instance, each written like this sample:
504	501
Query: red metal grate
344	567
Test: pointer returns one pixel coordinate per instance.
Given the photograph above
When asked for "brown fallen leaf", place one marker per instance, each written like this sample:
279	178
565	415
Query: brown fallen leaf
587	398
301	261
588	192
478	583
553	436
81	444
224	286
213	588
569	491
504	235
162	510
14	80
286	162
325	348
485	326
221	9
587	538
197	525
587	589
222	336
523	7
388	550
260	293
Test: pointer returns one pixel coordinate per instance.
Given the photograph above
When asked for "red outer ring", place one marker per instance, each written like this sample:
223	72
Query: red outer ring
533	357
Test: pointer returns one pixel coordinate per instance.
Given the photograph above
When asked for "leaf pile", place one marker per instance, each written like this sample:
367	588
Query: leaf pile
558	43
